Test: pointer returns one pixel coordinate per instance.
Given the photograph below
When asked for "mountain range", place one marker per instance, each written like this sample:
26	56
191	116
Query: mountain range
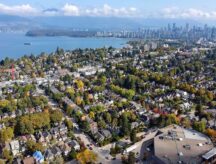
84	22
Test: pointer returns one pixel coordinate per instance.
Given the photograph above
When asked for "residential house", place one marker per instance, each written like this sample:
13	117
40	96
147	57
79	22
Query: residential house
38	109
12	114
44	137
99	137
31	110
18	113
17	161
134	125
65	149
93	125
106	133
5	115
63	129
56	151
185	106
38	157
2	126
28	160
48	155
75	145
15	147
54	132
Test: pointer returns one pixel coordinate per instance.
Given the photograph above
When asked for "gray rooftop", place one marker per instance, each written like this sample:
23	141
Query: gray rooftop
176	144
209	154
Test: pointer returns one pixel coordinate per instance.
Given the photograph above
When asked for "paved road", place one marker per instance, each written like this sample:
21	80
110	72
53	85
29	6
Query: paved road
103	152
141	147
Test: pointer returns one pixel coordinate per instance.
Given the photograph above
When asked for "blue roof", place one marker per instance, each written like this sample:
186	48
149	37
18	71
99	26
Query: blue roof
38	156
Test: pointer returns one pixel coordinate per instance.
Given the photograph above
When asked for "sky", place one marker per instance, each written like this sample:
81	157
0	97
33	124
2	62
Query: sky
193	9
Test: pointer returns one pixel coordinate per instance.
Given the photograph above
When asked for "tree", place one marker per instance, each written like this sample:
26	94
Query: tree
86	98
92	115
40	120
6	134
125	126
133	136
211	132
4	104
131	116
24	126
186	122
200	126
7	155
130	82
58	160
59	51
199	109
85	126
78	100
29	123
171	119
69	110
210	95
56	116
115	150
102	124
108	117
69	123
86	156
72	155
33	146
124	92
102	80
80	84
114	122
129	94
131	158
97	109
57	96
70	92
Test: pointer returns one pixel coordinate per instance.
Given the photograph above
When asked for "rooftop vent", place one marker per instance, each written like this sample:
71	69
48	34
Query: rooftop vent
165	156
200	144
180	154
187	147
180	139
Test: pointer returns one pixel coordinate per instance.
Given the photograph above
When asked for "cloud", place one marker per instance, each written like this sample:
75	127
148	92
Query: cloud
24	9
192	13
51	12
71	10
108	10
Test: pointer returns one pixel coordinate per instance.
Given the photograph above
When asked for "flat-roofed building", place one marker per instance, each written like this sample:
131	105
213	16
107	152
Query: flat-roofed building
210	156
175	144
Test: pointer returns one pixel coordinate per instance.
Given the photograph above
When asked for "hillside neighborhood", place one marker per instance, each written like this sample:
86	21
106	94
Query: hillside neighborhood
110	105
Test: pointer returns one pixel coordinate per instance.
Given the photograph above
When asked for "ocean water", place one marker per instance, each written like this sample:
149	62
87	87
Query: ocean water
12	45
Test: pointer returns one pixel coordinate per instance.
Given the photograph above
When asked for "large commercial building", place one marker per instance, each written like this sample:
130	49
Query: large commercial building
175	144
